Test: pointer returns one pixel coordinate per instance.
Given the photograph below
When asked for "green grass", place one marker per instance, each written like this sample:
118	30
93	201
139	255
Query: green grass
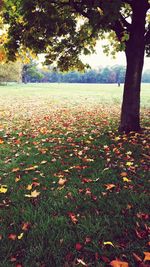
68	134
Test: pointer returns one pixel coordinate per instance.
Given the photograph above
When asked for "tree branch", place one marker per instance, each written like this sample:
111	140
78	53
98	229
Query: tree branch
119	29
130	2
126	24
78	9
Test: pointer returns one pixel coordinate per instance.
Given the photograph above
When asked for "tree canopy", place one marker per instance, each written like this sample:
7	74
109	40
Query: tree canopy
64	29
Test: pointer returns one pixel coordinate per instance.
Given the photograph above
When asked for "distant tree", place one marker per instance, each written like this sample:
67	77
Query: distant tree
30	73
10	72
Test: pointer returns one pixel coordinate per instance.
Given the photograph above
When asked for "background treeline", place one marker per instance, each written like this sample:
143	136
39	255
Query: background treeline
114	74
31	73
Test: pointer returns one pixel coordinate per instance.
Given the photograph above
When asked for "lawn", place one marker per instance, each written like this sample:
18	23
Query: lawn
73	191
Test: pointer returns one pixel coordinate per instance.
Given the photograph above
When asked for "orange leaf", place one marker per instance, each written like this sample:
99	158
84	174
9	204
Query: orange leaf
1	141
118	263
15	169
73	217
25	226
62	181
109	186
147	256
123	174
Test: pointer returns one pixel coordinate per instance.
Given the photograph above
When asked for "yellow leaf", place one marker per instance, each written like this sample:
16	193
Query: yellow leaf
29	187
3	189
17	179
129	163
125	179
129	153
33	194
109	243
147	256
117	138
20	236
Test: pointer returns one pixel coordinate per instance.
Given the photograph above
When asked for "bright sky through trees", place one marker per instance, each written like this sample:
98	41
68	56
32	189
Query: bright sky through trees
100	58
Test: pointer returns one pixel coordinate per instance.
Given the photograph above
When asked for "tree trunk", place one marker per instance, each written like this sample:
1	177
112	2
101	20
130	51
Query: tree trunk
135	47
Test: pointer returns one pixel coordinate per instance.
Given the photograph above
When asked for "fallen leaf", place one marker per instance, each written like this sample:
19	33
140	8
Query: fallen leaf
17	179
109	243
86	180
43	161
81	262
15	169
1	141
62	181
78	246
29	187
33	194
73	217
109	186
129	163
12	236
13	259
123	174
3	189
31	168
25	226
105	259
125	179
20	236
88	240
147	256
118	263
137	258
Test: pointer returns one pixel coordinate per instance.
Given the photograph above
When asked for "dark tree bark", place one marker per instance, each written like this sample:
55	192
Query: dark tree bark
135	47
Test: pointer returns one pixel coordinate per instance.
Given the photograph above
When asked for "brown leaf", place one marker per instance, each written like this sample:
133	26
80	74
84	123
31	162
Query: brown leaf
137	258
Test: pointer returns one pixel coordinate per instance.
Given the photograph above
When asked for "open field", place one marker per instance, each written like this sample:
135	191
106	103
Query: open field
73	192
